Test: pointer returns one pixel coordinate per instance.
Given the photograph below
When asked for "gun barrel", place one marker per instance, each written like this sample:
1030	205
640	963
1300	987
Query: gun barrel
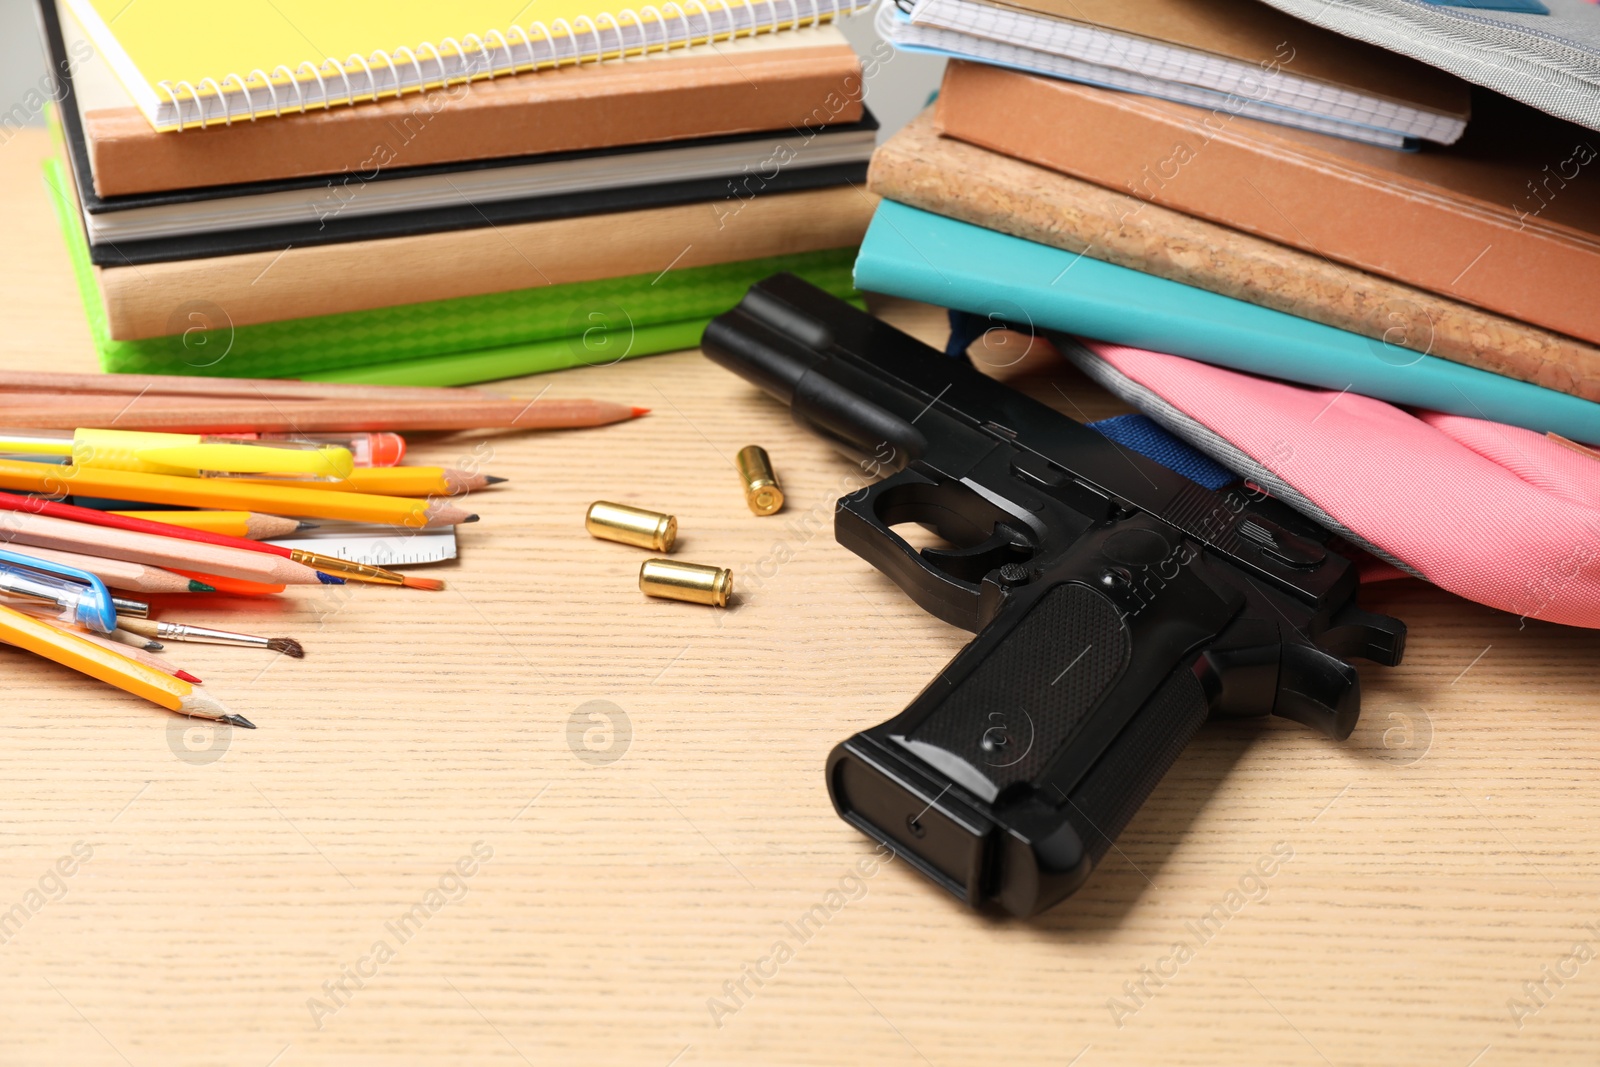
745	342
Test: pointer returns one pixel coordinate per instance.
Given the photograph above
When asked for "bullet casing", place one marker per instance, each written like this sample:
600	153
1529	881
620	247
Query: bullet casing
761	489
631	526
696	583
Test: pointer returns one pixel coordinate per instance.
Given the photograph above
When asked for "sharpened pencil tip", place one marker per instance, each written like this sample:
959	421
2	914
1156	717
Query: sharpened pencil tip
470	518
238	720
307	525
413	582
200	587
494	479
637	411
153	646
185	676
328	579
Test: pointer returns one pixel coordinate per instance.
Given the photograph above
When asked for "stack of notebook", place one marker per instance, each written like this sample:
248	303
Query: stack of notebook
461	198
1402	343
1459	279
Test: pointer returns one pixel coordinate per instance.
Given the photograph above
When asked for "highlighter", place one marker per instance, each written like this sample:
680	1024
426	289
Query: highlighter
194	455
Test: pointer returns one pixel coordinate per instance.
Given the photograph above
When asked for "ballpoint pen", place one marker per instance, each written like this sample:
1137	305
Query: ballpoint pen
63	592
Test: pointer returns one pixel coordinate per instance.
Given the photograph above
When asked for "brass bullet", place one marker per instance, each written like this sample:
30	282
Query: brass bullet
761	490
631	526
694	582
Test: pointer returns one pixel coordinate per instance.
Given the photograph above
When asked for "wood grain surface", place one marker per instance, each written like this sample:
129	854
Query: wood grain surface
621	881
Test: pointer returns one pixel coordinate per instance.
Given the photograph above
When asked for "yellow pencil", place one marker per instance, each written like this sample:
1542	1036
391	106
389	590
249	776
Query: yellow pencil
248	524
399	481
113	668
228	494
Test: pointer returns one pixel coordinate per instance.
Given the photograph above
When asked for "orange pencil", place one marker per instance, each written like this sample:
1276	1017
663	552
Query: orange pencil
231	586
247	524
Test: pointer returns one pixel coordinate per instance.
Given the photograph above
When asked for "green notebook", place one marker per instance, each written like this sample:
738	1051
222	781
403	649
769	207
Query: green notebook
452	342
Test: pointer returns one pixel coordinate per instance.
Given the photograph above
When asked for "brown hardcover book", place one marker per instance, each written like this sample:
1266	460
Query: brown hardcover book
803	78
357	275
1508	218
962	181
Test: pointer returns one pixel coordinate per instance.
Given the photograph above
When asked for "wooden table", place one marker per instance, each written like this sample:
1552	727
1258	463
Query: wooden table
299	901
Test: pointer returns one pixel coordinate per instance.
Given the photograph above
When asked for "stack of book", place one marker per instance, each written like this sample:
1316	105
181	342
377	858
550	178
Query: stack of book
445	205
1400	341
1455	278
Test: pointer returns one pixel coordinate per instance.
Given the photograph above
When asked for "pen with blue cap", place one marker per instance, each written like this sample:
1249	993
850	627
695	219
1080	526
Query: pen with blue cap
75	595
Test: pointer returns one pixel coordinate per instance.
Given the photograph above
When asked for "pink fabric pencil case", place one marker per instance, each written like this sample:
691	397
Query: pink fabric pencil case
1494	513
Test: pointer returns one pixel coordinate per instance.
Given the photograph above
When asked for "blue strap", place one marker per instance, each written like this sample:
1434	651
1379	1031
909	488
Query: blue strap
1151	441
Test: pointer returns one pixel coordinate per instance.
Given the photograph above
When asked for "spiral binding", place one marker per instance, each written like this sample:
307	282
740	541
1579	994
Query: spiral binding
360	76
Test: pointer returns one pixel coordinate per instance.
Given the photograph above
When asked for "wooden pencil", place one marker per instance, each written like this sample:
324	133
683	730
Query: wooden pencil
250	525
194	385
399	481
43	531
138	655
340	568
222	415
112	667
121	574
231	586
55	480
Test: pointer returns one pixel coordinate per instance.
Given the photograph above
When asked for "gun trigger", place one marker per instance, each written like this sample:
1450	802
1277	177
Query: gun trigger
1005	547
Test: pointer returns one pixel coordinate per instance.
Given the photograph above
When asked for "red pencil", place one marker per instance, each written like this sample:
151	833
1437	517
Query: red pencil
332	565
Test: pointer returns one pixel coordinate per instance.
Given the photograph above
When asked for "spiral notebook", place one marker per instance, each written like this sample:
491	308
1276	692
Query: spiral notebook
196	63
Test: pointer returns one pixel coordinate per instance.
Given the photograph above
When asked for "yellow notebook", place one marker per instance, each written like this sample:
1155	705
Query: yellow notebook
191	63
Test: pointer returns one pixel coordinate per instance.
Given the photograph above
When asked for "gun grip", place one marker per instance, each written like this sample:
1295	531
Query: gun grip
1055	723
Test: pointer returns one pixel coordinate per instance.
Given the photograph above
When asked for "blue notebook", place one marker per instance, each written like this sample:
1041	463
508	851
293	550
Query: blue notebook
952	264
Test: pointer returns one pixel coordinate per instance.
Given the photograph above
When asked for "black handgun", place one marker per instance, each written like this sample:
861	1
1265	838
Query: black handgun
1116	603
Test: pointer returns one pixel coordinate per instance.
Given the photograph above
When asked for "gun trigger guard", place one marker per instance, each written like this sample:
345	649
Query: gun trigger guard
1005	545
864	524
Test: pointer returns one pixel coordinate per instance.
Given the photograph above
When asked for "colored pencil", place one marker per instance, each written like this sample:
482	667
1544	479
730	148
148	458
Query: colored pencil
227	493
231	586
208	415
150	660
121	574
26	505
44	531
253	388
400	481
113	668
250	525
